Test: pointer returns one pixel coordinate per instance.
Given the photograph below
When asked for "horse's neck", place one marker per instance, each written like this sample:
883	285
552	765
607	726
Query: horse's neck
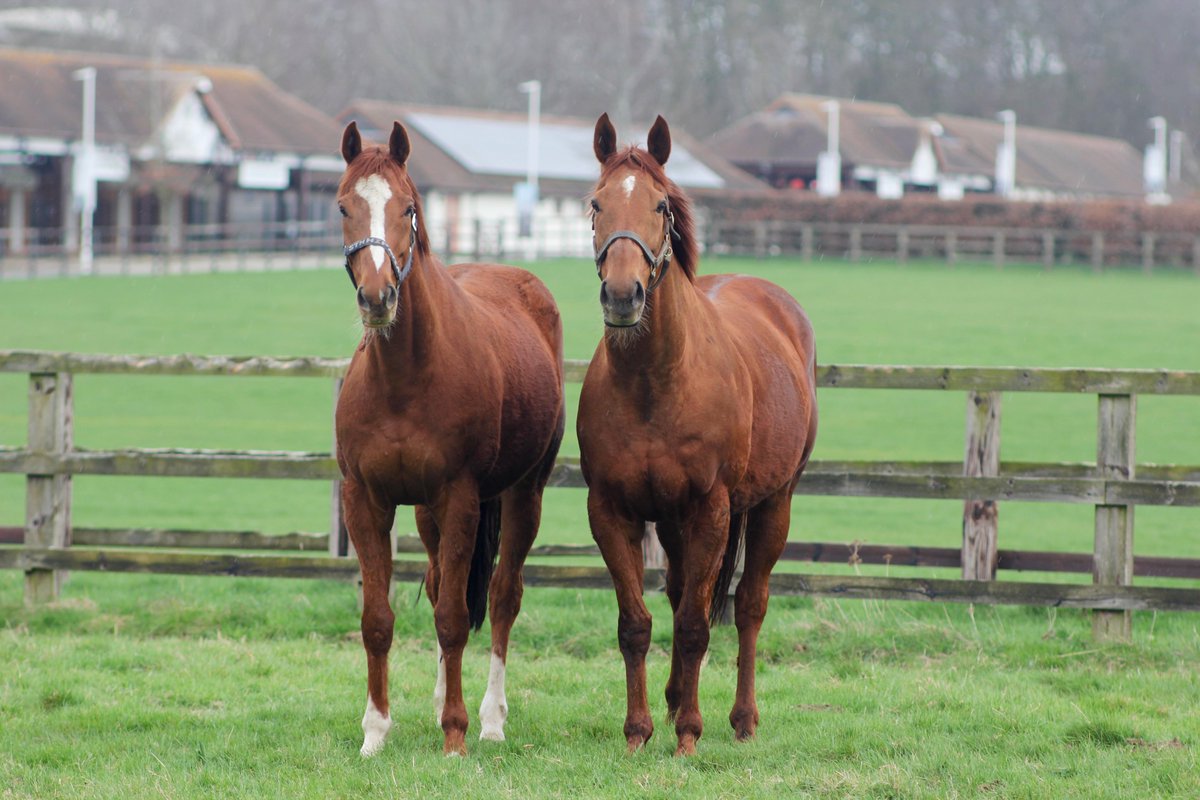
412	341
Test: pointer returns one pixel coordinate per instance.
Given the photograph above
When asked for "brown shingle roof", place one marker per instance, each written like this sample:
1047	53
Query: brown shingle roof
38	97
1056	161
792	131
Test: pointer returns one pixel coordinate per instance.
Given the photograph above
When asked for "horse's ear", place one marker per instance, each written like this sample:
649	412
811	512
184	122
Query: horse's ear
605	141
398	145
659	141
351	142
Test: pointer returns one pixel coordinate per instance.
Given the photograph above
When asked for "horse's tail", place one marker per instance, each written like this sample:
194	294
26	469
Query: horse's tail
483	561
733	552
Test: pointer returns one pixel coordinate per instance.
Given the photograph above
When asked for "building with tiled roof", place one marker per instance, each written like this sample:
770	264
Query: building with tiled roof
466	162
177	143
884	149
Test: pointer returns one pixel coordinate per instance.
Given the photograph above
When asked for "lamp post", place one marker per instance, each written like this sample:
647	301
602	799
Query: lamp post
84	177
534	90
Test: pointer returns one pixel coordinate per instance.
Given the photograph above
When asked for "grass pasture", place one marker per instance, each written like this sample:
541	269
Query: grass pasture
138	686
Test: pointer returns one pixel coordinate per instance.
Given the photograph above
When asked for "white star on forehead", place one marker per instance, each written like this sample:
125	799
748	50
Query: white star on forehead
375	190
628	184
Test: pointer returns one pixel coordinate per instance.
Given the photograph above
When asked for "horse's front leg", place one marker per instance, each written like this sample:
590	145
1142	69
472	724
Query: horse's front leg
457	521
620	542
706	530
369	524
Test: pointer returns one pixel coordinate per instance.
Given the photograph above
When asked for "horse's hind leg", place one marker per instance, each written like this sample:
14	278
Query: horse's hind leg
766	534
369	526
521	511
457	522
428	531
668	537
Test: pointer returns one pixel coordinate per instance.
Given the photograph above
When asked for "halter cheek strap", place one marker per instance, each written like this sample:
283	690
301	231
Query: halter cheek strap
375	241
662	260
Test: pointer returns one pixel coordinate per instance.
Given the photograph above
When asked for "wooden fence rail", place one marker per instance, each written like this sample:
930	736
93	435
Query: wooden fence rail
1114	485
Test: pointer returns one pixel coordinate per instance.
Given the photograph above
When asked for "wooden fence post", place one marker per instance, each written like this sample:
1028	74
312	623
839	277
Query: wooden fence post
952	247
1048	249
1113	554
980	517
807	232
856	243
1148	252
339	537
902	245
998	249
48	497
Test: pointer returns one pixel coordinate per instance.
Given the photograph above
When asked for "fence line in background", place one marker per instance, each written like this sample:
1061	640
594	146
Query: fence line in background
301	245
1114	485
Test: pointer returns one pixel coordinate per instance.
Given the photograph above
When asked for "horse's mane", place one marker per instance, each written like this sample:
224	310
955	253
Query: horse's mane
375	159
686	252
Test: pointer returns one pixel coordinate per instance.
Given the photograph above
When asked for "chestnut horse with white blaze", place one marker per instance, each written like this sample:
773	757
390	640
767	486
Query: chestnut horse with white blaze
698	412
453	403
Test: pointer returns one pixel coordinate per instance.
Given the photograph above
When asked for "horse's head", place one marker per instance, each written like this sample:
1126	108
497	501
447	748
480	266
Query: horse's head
381	224
633	219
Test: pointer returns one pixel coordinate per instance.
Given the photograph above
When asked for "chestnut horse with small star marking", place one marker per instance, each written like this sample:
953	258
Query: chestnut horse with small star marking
453	403
698	412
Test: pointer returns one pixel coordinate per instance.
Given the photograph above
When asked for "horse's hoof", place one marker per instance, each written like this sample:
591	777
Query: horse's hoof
634	744
687	745
744	734
456	744
491	734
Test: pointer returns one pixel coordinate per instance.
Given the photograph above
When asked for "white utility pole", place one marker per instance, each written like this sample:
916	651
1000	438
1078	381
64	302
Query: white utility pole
84	189
1176	156
534	90
1006	156
829	163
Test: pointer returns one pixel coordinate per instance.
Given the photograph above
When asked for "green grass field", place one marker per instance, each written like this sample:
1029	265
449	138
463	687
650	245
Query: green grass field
177	687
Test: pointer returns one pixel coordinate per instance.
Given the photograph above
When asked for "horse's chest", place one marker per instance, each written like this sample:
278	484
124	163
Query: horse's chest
660	479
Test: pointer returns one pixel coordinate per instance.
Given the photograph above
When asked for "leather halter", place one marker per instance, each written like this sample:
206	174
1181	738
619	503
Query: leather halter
375	241
665	254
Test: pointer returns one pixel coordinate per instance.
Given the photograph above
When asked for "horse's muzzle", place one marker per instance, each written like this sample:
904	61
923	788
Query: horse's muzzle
378	311
622	309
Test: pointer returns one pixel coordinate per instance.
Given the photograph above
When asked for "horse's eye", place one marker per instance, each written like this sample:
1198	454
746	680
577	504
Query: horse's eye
662	207
595	207
412	209
342	210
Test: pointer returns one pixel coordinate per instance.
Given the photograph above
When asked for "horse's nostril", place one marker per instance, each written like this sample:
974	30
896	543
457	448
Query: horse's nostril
639	293
362	298
604	292
390	297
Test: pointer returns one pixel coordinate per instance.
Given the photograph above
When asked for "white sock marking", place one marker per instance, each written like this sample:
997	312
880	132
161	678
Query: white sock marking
494	709
439	688
375	729
628	184
375	190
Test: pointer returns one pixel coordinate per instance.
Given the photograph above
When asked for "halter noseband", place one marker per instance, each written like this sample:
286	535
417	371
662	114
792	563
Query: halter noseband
375	241
665	254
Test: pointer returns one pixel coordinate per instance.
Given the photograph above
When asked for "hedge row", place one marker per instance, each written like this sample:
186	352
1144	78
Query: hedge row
990	212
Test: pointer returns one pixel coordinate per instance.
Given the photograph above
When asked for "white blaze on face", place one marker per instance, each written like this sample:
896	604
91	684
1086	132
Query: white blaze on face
375	728
628	184
376	192
439	688
494	709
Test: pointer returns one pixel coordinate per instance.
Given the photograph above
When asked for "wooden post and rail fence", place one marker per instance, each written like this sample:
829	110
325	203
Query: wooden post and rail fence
1114	485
